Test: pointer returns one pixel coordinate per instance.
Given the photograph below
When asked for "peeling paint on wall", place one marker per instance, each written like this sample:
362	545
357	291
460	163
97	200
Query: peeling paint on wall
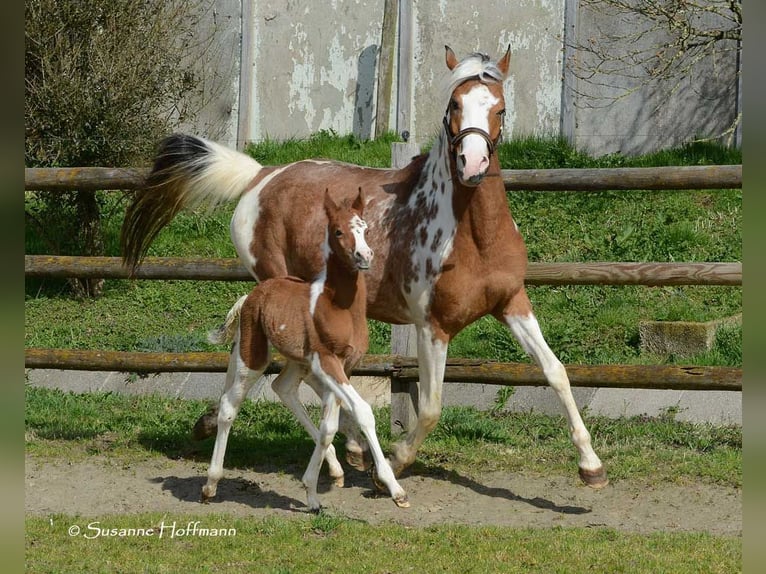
314	67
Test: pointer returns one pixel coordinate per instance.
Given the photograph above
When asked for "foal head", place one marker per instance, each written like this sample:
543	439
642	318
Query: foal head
475	113
345	232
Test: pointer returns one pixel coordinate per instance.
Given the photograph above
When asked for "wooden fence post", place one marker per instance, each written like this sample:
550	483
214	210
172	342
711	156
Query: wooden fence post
404	395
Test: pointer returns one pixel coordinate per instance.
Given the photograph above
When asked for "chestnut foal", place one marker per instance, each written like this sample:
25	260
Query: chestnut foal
320	328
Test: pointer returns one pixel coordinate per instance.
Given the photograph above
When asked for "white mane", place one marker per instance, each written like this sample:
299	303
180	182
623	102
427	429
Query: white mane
476	65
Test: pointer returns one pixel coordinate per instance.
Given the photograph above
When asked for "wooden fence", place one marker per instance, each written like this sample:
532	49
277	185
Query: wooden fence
402	370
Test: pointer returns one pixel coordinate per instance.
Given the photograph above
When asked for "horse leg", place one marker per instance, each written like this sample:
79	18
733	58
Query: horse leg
286	387
432	358
329	369
328	426
239	380
357	449
518	316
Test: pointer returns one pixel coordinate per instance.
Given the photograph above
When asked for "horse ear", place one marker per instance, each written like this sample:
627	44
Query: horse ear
451	58
502	65
358	204
329	205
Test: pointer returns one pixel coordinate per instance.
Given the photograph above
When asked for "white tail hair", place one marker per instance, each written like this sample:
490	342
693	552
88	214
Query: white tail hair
225	333
219	176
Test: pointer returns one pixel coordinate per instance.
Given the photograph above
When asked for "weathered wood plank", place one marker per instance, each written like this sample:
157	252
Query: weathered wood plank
83	178
625	178
230	269
405	369
705	177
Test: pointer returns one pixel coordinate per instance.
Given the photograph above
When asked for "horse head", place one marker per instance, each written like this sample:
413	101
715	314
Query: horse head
345	231
475	113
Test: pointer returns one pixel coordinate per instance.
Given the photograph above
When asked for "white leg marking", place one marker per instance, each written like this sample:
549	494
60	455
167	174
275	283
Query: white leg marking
527	331
239	380
286	387
363	415
432	358
328	426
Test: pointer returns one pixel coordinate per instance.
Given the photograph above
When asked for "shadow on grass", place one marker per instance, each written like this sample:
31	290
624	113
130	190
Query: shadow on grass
440	473
234	489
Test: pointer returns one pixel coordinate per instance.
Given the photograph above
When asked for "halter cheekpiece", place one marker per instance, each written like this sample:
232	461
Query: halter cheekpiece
454	140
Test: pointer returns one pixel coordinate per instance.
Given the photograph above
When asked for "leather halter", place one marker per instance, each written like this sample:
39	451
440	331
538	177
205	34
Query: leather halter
454	140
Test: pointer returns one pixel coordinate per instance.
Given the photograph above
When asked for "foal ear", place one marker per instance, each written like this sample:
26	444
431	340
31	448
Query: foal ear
502	64
329	205
451	58
358	204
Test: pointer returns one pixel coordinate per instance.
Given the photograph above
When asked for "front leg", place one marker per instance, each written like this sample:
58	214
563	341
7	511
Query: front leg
519	318
328	426
432	358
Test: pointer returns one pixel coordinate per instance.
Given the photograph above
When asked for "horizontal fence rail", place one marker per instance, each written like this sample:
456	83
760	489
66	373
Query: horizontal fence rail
578	179
405	369
230	269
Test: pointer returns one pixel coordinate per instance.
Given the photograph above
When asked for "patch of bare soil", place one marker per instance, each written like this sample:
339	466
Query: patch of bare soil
98	487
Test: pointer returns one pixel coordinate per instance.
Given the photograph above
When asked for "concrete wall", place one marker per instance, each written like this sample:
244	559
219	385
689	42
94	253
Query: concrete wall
308	66
628	112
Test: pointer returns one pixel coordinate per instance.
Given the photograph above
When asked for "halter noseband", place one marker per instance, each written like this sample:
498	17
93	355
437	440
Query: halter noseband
453	140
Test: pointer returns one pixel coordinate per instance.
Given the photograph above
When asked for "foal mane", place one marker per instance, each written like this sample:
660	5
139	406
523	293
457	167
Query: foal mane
476	65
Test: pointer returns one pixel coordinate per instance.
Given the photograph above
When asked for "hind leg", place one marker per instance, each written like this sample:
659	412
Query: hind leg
239	380
286	387
519	318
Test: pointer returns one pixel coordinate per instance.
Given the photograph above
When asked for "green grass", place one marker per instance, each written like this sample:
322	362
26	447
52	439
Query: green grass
266	435
583	324
466	442
332	544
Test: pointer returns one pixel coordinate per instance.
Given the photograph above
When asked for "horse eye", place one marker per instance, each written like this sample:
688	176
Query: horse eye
501	113
338	233
453	104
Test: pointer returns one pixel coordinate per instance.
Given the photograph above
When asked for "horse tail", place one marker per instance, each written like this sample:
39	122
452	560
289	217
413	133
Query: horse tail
188	171
225	333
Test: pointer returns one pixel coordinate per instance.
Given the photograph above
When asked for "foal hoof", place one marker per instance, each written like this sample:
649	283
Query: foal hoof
206	425
379	486
594	478
402	501
361	461
339	481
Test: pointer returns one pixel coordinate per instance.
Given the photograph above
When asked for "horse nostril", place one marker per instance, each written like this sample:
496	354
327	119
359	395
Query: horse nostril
462	158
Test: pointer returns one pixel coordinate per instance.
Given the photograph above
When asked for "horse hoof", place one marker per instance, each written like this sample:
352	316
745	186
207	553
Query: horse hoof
205	497
339	481
206	425
596	479
361	461
379	486
402	501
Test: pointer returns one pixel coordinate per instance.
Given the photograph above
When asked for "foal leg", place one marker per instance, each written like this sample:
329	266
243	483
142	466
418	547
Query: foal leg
329	370
286	387
239	380
328	426
357	449
432	358
518	316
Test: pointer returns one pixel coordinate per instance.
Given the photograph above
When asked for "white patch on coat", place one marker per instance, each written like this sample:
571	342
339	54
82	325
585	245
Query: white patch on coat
245	219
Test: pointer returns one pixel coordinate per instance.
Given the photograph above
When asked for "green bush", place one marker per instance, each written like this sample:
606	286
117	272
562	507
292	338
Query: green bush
104	81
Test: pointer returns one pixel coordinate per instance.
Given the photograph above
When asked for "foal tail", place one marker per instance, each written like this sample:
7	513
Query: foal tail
225	333
188	171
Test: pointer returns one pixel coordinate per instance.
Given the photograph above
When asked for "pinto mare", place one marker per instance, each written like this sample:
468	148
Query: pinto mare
447	249
320	328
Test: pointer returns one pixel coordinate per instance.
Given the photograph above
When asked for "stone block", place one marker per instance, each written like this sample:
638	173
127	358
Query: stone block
681	338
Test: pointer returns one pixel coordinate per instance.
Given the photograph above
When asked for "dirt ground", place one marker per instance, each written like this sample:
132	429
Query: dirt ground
98	487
